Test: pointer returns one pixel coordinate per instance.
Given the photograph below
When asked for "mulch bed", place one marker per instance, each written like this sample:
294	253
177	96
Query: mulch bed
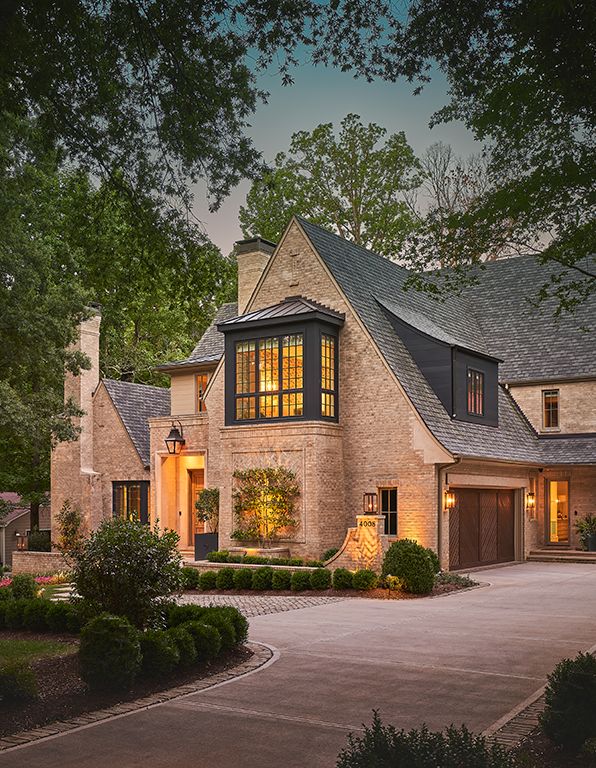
63	694
540	752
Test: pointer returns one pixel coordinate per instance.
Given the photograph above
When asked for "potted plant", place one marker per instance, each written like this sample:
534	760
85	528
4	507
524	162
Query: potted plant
207	507
586	527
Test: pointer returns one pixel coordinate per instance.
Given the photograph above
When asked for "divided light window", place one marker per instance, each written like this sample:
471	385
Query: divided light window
328	376
475	392
130	500
269	377
550	408
202	381
389	509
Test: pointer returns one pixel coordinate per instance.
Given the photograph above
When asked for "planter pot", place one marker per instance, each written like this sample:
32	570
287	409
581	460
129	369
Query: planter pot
591	542
205	543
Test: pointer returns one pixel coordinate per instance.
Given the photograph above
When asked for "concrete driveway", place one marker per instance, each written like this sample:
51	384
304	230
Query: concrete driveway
469	657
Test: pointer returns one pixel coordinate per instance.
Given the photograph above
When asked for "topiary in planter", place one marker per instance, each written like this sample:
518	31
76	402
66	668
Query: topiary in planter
300	581
243	578
207	580
281	579
190	578
206	638
35	615
569	717
185	644
225	578
320	578
342	579
17	683
159	651
365	579
262	578
409	561
23	587
109	653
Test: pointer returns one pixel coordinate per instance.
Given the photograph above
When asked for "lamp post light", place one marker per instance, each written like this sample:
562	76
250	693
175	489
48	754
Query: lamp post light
369	504
175	440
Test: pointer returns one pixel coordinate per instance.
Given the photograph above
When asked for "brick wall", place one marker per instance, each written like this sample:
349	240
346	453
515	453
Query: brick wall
577	404
38	563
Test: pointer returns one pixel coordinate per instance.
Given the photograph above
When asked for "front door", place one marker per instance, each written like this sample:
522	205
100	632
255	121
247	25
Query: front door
557	511
481	528
196	483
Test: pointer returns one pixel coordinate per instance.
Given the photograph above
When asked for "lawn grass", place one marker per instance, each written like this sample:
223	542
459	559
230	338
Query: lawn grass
30	650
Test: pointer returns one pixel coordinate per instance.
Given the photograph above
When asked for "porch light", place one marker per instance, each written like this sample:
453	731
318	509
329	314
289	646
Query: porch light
530	503
20	541
449	501
175	440
369	503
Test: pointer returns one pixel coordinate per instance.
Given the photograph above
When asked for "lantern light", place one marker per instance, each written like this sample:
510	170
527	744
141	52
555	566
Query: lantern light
175	440
449	501
530	503
369	503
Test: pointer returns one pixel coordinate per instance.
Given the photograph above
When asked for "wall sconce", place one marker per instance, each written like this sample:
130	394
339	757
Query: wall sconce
369	503
531	503
449	501
175	440
20	541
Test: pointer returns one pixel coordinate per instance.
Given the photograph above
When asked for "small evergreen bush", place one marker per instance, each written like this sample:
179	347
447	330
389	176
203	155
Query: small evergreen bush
255	560
160	654
434	559
365	579
190	578
5	594
35	615
179	614
221	556
262	578
185	644
62	617
569	717
342	579
109	653
409	561
329	553
320	578
207	580
225	578
238	619
281	579
300	581
223	625
23	587
14	613
206	638
243	578
3	606
17	683
39	541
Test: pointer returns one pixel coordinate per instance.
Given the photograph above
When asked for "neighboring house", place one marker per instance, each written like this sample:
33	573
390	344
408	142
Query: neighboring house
16	526
472	419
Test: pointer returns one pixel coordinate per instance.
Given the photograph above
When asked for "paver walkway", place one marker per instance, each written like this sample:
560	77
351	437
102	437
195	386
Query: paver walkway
260	605
468	657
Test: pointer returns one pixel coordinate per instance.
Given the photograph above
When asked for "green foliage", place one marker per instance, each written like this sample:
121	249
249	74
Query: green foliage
364	579
329	553
225	578
569	717
35	615
320	578
207	507
23	586
300	581
243	578
264	504
63	617
585	526
190	578
342	579
207	580
109	653
14	613
5	594
281	579
238	619
221	556
17	683
351	184
206	638
262	578
3	607
434	559
126	567
39	541
160	654
71	530
180	614
382	746
454	578
409	561
224	626
185	644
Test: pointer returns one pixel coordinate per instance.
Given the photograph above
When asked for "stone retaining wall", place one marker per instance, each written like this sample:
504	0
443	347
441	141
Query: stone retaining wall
38	563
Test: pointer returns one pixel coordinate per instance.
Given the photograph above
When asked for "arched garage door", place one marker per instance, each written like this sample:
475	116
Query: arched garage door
481	528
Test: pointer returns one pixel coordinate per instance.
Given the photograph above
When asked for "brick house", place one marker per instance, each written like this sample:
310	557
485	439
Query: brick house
473	420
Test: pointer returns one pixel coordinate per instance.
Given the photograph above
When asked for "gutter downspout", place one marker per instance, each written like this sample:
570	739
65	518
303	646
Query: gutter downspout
440	477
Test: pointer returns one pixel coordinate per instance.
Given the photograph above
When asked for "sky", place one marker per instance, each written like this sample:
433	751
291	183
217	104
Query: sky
323	95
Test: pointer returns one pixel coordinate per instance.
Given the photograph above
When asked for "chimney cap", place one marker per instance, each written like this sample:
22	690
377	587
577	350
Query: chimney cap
254	244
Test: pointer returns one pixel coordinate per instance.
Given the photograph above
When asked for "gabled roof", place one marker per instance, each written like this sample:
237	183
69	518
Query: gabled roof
370	282
290	307
136	403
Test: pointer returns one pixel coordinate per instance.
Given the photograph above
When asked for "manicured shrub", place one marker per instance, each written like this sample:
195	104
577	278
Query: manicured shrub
109	653
35	615
410	562
329	553
223	625
365	579
569	717
207	580
434	559
255	560
23	587
63	617
185	644
262	578
221	556
295	562
281	579
3	606
5	594
300	581
179	614
160	654
206	638
190	578
39	541
342	579
314	563
320	578
225	578
14	613
17	683
385	747
243	578
238	619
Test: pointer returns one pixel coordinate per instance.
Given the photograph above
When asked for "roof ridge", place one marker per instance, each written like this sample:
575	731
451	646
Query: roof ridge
135	384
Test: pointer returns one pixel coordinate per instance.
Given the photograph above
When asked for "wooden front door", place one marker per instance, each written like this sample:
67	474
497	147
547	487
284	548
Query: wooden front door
196	483
481	528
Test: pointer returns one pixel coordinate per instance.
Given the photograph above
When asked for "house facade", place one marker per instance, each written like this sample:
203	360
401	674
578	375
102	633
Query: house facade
473	420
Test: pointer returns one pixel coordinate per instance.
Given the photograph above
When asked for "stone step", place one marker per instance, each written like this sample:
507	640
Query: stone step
561	556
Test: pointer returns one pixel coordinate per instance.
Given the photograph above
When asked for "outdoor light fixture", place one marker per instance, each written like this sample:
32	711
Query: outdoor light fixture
175	440
449	501
20	542
369	503
530	503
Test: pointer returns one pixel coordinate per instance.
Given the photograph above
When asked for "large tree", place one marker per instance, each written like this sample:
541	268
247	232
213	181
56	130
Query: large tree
354	183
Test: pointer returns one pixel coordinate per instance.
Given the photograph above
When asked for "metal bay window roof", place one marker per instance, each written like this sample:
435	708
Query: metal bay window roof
290	309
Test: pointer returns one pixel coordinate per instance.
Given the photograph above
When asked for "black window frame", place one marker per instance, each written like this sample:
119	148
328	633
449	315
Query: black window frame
144	499
471	392
389	514
325	390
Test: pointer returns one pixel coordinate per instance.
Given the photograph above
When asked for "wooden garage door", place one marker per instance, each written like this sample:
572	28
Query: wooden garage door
481	528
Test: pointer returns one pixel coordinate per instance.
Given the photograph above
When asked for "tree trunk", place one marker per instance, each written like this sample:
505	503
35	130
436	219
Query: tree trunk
34	516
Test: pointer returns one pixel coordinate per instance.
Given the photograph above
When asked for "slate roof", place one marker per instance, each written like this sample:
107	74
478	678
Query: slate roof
136	403
371	281
291	306
211	344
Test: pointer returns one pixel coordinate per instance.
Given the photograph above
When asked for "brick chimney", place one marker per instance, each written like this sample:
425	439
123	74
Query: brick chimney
252	256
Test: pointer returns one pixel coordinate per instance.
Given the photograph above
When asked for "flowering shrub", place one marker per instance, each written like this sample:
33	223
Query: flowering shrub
43	581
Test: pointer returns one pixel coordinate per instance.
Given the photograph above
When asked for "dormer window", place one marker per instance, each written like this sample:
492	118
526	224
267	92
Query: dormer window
550	409
475	392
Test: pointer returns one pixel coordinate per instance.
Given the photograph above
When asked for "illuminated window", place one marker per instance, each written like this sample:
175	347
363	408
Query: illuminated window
269	378
550	408
328	376
388	508
202	381
475	392
130	500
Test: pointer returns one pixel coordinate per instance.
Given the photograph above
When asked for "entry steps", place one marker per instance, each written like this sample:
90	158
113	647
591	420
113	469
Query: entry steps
560	555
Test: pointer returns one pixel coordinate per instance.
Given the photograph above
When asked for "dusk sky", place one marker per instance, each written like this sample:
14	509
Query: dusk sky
322	95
